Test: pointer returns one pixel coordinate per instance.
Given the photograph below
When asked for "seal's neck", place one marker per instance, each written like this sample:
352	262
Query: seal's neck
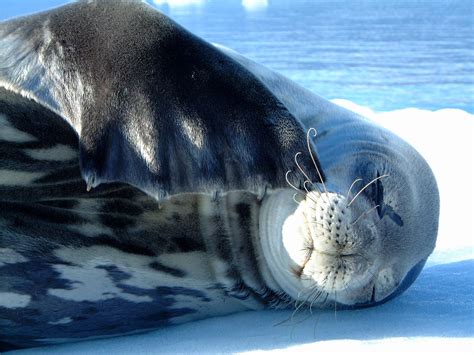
229	225
277	265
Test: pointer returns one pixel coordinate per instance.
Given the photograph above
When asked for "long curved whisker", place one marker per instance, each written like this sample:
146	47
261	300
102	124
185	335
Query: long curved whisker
298	304
366	186
312	157
316	296
292	186
294	197
300	168
320	193
308	194
352	185
304	185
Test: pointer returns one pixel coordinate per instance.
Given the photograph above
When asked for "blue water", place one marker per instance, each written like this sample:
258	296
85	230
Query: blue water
386	54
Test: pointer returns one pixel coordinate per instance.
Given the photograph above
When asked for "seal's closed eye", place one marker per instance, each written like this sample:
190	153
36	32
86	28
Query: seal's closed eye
384	208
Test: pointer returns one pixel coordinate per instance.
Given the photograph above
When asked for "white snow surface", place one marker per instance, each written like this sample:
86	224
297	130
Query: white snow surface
435	315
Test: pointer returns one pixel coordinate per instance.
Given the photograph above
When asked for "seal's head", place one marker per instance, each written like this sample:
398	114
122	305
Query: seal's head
360	239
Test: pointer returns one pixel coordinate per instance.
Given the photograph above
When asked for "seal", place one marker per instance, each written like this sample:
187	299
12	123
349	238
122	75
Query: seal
150	178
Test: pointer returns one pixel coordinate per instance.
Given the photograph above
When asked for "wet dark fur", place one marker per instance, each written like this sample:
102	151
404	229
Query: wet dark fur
144	73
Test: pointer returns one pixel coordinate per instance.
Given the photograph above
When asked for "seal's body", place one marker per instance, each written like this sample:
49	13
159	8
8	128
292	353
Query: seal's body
78	264
134	163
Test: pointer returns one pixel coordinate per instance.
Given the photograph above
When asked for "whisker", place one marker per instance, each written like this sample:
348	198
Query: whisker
367	185
298	306
364	214
312	157
318	188
352	185
308	195
300	168
311	295
375	224
293	186
304	185
294	197
282	322
315	297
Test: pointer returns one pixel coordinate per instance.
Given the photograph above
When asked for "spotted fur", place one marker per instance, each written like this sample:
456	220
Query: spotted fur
75	264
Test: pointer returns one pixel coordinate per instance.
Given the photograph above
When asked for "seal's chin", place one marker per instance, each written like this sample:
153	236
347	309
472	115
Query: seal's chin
317	252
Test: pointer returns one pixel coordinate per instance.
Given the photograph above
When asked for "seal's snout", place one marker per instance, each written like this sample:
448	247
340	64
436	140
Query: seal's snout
328	222
332	253
325	249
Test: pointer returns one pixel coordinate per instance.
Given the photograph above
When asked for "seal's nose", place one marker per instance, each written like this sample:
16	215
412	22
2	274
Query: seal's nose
329	222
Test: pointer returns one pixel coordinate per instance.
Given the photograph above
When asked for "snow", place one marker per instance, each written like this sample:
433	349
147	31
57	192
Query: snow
435	315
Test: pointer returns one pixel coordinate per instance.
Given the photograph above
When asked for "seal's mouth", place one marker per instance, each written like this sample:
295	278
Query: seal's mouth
332	257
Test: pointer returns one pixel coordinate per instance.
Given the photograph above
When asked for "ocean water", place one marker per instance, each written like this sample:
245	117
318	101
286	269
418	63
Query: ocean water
386	55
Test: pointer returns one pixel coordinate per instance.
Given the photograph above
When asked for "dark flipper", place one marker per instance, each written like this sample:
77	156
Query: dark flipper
153	105
39	155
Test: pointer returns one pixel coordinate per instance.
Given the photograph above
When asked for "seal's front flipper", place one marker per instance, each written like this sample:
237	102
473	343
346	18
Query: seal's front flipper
39	158
153	105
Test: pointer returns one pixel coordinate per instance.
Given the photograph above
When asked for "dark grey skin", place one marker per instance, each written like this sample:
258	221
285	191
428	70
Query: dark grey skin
134	160
139	90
